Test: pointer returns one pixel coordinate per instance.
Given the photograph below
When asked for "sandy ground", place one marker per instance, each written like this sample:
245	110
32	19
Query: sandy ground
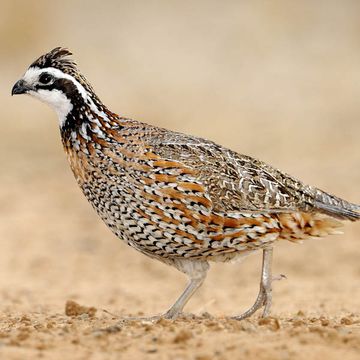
279	81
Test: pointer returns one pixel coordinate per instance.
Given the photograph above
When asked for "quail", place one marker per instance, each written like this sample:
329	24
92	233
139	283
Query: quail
180	199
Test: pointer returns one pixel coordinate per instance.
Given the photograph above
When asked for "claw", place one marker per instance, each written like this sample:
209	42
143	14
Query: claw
279	277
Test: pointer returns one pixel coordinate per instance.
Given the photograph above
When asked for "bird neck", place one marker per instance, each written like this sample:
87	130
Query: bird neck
87	118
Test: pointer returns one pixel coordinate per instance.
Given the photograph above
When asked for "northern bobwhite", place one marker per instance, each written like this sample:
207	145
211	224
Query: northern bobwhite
177	198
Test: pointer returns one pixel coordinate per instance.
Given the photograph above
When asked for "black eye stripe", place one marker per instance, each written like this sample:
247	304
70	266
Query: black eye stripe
64	85
49	87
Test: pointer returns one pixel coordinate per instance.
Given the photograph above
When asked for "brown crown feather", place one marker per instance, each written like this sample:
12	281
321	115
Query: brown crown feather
58	58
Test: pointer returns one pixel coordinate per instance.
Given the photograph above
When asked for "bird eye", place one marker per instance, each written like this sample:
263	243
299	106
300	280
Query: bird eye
45	78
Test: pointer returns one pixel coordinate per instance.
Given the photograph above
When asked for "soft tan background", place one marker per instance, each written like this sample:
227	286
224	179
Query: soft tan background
278	80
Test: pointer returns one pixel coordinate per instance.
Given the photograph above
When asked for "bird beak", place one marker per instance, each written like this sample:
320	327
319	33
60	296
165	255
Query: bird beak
20	87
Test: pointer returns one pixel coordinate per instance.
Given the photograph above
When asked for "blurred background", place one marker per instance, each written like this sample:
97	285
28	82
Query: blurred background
277	80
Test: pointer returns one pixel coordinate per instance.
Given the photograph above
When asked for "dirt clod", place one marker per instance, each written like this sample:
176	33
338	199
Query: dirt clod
271	322
74	309
182	336
346	321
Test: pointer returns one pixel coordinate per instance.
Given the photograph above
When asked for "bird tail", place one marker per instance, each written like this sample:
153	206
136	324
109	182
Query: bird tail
300	226
336	207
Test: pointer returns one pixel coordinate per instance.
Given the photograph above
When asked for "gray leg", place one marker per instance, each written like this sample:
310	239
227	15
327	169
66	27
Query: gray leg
264	297
196	270
177	308
266	280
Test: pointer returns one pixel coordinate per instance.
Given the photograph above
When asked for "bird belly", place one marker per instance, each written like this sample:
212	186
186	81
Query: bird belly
148	228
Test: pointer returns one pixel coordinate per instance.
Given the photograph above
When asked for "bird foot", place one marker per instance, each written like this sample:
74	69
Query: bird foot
264	299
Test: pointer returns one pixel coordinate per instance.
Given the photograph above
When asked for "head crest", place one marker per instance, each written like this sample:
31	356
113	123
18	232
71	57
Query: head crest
57	58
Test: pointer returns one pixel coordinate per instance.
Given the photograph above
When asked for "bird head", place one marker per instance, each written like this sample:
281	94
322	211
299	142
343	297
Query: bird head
55	80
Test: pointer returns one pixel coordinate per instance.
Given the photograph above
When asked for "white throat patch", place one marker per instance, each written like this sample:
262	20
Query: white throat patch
57	100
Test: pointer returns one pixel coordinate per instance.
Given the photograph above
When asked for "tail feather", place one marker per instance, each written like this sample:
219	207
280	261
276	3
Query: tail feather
301	226
338	212
336	207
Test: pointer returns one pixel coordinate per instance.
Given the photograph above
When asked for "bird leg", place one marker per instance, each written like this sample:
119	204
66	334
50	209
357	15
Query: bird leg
264	297
197	273
179	304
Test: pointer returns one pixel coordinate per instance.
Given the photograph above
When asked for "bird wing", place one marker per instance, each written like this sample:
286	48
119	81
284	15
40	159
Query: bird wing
236	182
